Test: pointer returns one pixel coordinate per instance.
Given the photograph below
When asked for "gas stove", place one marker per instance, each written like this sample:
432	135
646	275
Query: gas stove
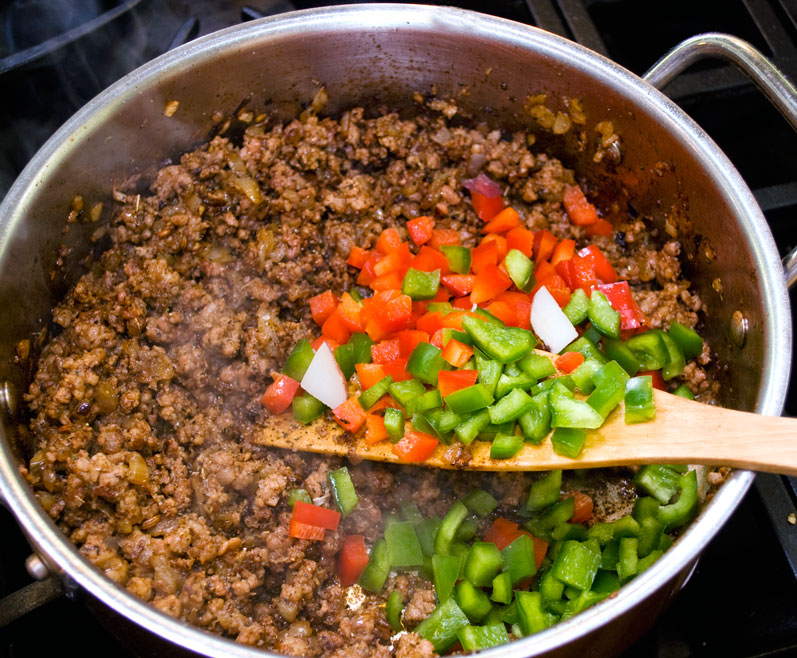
55	55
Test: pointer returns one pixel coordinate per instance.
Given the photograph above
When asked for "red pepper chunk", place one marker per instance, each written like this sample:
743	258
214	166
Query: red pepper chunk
503	532
300	530
622	301
580	210
414	447
352	559
491	281
655	375
456	353
441	236
450	381
350	415
386	351
459	284
569	361
420	229
389	240
544	244
600	264
521	239
485	195
322	306
279	394
502	222
358	256
375	431
583	507
316	515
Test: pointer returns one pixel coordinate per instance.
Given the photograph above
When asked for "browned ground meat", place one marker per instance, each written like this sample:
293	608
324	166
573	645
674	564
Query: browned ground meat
146	398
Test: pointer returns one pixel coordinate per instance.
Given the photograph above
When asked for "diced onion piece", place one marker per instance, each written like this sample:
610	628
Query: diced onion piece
324	379
550	323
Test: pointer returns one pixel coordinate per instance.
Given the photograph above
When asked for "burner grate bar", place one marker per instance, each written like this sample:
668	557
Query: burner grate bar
546	17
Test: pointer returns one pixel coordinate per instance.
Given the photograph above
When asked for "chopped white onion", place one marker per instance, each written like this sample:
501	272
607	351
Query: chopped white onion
324	379
550	323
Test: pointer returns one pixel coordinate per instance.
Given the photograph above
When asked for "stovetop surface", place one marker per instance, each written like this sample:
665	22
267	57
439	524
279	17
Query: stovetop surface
742	598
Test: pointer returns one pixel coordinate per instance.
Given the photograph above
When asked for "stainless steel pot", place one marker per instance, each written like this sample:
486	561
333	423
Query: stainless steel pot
372	54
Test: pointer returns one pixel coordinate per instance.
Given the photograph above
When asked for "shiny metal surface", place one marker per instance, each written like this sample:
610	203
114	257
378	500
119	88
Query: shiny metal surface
382	54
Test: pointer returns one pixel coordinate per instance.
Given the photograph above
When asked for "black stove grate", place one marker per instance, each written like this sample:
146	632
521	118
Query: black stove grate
742	599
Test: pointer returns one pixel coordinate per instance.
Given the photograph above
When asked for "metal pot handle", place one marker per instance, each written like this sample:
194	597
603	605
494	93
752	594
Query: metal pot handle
775	86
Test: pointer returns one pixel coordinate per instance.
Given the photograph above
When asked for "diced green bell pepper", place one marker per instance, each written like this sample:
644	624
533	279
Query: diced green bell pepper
658	481
469	429
394	424
568	441
602	316
506	446
628	559
376	571
299	494
502	588
344	355
445	570
544	491
425	363
585	346
520	269
639	405
343	490
370	396
480	502
518	559
472	601
482	563
510	407
404	391
442	626
688	340
537	365
489	371
426	531
478	638
469	399
609	391
681	511
420	285
425	402
649	349
568	412
617	350
675	358
467	530
402	545
582	376
503	344
306	408
550	588
576	565
299	360
532	617
536	422
448	527
393	609
577	308
684	392
458	258
361	344
508	383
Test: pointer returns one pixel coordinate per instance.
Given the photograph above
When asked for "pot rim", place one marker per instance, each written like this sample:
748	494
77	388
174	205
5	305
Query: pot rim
60	552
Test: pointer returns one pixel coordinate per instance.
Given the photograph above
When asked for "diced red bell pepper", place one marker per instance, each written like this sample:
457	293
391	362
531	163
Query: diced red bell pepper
462	303
430	322
336	329
500	242
502	222
580	210
420	229
563	251
414	447
601	227
544	244
386	351
582	273
316	515
384	402
569	361
564	268
322	306
351	313
583	507
388	312
603	268
437	339
556	285
350	415
521	306
397	370
483	255
503	532
449	381
370	373
397	260
358	256
453	320
352	560
503	312
316	344
456	353
485	195
409	339
622	301
491	281
279	394
390	281
658	380
429	260
459	284
300	530
389	240
375	431
521	239
366	274
441	236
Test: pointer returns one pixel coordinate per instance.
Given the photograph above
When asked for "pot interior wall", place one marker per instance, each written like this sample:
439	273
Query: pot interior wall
278	68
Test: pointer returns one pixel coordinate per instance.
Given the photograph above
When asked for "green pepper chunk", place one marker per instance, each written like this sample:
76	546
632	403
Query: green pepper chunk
394	424
376	571
639	405
520	269
477	638
369	397
588	348
448	528
688	339
658	481
472	601
445	573
650	533
609	391
442	626
617	350
568	441
426	362
510	407
682	510
576	565
306	408
603	317
536	422
489	317
482	563
299	360
469	399
577	308
544	491
299	494
458	258
518	559
502	588
344	355
503	344
469	429
480	502
507	383
404	391
425	402
420	285
684	392
568	412
393	609
426	531
628	559
443	421
565	531
343	490
532	617
582	376
649	349
402	545
506	446
489	371
675	358
467	530
361	344
537	366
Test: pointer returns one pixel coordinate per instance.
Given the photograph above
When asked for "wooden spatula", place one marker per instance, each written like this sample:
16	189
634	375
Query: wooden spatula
683	431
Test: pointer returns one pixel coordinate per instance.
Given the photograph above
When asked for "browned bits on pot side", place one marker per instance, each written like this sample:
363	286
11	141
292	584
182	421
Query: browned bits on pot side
144	405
